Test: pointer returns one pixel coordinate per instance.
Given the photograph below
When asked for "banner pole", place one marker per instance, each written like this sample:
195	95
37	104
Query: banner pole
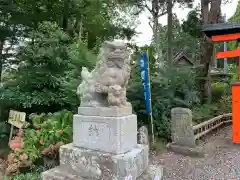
150	96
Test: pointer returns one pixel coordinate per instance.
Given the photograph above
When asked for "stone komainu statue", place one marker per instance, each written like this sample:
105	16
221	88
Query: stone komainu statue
106	84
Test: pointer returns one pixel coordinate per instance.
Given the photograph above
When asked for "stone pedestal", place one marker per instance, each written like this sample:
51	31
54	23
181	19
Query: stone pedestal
104	147
95	164
108	134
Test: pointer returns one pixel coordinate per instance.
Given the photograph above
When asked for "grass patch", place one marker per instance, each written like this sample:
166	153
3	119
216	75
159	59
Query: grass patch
159	145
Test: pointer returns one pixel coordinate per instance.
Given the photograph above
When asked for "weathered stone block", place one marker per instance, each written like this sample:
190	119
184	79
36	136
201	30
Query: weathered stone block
61	173
185	150
116	167
105	111
153	172
65	172
182	128
143	135
108	134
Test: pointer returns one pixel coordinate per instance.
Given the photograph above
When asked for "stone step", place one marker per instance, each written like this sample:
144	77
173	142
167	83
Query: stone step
65	172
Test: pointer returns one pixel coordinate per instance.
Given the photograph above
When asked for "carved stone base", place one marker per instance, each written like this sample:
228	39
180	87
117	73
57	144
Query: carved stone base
185	150
108	134
61	173
80	164
105	111
67	173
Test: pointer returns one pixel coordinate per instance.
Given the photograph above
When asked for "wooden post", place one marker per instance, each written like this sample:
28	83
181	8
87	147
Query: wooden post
16	119
10	135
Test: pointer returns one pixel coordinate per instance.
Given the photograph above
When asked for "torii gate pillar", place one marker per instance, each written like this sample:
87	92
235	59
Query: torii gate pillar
221	33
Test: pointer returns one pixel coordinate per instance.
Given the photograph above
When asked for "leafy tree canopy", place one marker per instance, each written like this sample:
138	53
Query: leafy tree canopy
235	18
42	69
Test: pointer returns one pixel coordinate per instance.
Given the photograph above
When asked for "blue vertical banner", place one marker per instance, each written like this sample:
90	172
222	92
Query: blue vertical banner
144	71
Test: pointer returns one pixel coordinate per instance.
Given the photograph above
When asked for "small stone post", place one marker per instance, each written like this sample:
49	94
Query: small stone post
182	128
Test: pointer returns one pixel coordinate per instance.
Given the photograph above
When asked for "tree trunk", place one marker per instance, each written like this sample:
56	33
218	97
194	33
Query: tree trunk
214	59
80	32
170	35
156	12
1	58
155	27
65	15
208	17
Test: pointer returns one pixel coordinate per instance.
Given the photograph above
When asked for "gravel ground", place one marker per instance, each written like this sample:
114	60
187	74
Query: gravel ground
222	160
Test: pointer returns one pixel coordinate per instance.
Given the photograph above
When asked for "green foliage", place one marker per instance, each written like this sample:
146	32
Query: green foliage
95	17
90	21
50	126
204	112
48	71
235	18
9	31
169	88
80	57
225	104
27	176
47	129
218	90
182	42
233	71
159	145
52	34
193	24
40	73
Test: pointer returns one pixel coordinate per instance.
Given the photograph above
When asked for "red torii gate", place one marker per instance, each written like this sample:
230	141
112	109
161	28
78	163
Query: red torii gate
229	32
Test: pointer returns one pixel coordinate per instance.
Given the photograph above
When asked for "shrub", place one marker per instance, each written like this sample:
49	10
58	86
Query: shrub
169	88
218	90
47	132
27	176
225	105
204	112
233	71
